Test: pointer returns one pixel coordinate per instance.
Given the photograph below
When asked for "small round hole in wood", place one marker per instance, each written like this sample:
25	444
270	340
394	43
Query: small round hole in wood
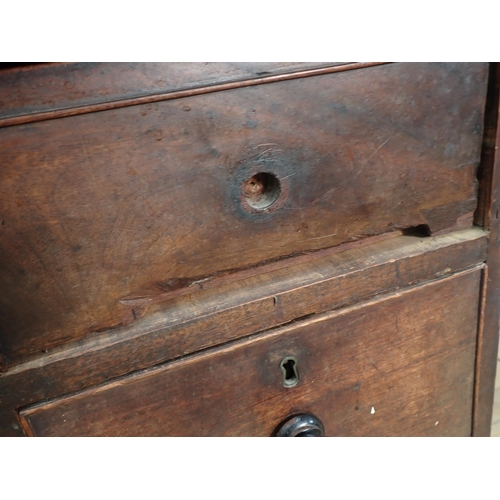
261	190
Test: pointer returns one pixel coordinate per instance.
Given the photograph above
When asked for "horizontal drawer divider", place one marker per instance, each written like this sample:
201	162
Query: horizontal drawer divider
217	316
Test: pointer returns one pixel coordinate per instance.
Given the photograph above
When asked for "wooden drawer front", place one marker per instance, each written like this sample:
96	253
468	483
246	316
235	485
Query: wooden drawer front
399	365
100	207
59	86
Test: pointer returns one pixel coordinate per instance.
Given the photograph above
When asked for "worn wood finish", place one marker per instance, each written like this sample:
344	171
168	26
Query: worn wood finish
368	371
147	299
97	207
56	86
487	215
175	80
215	316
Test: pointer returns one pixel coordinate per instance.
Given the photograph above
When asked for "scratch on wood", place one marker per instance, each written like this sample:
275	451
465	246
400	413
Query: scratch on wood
268	150
319	237
372	156
331	191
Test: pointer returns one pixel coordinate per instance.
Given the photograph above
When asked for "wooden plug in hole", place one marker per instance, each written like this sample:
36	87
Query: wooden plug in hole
288	366
261	190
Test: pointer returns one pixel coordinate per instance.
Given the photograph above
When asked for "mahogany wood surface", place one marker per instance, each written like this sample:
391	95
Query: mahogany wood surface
189	83
327	280
100	206
57	86
139	252
400	365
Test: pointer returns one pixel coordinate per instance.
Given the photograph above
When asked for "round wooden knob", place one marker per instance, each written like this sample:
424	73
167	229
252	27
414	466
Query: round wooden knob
304	425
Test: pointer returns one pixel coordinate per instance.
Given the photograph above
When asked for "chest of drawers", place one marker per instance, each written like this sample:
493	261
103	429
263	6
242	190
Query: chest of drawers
214	249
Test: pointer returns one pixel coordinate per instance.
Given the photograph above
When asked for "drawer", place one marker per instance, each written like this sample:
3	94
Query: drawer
132	202
398	365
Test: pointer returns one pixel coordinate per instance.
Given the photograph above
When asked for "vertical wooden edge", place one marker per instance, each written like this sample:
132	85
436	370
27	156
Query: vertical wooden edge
486	354
479	346
487	215
25	426
482	215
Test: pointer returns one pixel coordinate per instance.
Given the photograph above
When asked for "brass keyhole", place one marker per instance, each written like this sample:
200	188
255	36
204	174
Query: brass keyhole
288	366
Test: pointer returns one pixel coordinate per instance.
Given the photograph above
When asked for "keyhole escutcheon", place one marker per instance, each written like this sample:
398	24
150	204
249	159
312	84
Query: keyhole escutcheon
290	371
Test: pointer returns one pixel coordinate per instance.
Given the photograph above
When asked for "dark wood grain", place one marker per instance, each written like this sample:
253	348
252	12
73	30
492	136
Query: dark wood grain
401	365
236	309
487	215
32	93
100	206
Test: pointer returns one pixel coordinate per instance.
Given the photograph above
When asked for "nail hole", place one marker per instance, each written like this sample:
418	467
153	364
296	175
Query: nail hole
288	366
261	190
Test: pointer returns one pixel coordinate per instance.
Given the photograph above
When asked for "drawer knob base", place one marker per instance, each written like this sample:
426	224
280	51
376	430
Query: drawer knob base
304	425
